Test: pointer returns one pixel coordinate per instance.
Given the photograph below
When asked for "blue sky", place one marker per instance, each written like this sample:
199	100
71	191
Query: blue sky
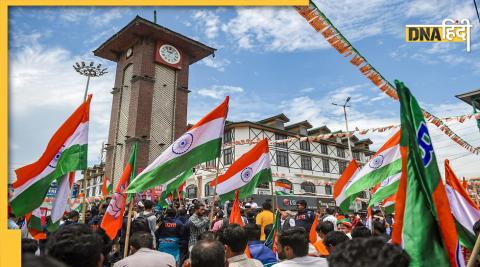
269	60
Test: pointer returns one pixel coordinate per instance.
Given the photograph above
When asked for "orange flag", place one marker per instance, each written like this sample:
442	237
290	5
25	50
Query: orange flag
465	184
235	216
113	218
313	230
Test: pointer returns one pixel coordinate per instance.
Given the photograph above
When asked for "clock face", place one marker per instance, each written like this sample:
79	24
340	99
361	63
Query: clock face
169	53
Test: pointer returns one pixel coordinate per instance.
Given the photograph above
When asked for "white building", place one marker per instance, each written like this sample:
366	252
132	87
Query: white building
310	168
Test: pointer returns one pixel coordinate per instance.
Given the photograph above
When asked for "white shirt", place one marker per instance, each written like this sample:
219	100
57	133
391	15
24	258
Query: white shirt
253	205
303	261
332	219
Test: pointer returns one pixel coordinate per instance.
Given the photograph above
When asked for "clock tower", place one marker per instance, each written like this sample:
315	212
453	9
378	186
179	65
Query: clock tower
150	94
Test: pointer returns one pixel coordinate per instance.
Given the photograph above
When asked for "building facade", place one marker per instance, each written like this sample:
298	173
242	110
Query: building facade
310	168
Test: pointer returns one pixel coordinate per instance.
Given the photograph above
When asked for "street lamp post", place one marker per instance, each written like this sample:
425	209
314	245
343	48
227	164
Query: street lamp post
90	71
344	106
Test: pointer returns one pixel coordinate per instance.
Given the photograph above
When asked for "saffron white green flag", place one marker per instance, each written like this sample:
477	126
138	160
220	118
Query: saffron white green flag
464	210
282	189
245	174
201	143
386	188
387	162
66	152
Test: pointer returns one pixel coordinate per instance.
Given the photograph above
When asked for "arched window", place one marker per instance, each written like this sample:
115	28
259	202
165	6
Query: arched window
191	191
308	187
328	189
209	190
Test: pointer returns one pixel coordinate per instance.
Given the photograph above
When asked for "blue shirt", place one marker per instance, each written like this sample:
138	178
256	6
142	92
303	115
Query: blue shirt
262	253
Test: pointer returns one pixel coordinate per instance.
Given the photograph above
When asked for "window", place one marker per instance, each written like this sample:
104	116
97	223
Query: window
282	158
209	191
228	136
326	165
308	187
356	155
340	152
227	156
305	146
328	189
306	162
211	164
263	185
324	149
191	191
342	165
281	137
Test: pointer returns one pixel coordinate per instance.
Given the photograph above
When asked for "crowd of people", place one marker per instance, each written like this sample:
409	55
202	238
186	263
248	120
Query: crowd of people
195	234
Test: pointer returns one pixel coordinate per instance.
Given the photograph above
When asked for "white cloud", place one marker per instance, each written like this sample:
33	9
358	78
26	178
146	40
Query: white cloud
218	64
75	14
219	91
307	90
106	18
208	21
44	90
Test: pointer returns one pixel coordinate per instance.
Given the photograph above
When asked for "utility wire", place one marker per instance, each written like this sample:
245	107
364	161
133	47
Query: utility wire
476	9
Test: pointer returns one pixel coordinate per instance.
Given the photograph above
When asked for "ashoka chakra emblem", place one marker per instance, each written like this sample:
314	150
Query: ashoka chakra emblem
246	174
183	144
376	162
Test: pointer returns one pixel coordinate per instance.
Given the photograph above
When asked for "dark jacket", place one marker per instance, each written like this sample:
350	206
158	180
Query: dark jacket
304	219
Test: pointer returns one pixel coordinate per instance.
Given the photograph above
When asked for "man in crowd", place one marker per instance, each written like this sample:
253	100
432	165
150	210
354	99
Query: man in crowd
169	234
207	253
29	246
361	231
292	248
143	254
334	239
76	245
253	205
235	240
150	217
72	217
304	217
380	230
286	219
372	251
198	224
265	217
257	249
323	229
331	217
345	226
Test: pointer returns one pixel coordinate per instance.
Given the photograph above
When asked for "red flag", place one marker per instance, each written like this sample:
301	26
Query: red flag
313	230
113	218
235	216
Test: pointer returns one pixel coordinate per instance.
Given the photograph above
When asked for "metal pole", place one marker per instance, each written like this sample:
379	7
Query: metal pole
274	196
212	208
348	133
85	171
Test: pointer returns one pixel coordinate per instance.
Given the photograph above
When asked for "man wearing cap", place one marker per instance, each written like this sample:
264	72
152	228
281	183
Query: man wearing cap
304	217
344	225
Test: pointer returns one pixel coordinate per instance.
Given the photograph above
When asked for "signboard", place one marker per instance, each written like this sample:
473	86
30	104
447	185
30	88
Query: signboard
290	202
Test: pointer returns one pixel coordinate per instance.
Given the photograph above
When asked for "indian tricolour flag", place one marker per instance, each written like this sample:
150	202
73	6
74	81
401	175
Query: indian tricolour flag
464	210
388	204
201	143
385	189
387	162
341	199
282	189
250	170
66	152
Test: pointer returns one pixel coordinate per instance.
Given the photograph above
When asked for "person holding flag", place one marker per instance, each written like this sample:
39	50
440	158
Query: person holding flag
66	152
424	224
113	218
107	187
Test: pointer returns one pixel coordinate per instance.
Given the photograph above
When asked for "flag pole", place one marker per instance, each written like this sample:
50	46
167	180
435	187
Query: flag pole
129	224
274	196
212	208
476	249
